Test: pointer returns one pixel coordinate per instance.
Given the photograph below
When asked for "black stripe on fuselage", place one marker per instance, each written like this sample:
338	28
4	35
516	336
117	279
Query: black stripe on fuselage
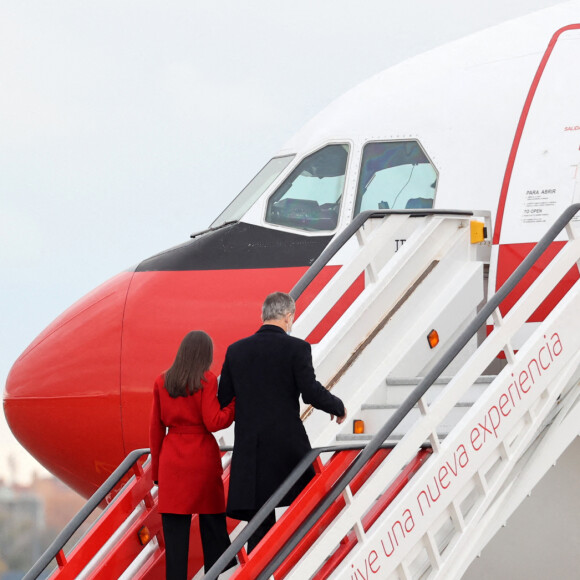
239	246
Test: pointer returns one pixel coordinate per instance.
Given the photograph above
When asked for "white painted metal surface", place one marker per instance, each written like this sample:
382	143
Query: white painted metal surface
462	101
487	463
387	324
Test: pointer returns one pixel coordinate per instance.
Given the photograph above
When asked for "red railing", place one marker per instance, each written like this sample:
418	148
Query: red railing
317	489
110	561
350	540
127	547
113	542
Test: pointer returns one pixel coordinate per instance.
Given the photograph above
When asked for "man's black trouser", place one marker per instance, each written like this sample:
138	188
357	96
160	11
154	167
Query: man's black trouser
261	531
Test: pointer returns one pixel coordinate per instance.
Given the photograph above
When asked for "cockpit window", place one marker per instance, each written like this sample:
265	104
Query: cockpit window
395	175
309	198
252	192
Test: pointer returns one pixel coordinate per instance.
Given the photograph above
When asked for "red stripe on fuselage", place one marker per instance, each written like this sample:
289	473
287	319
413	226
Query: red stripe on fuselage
337	310
510	256
163	306
520	130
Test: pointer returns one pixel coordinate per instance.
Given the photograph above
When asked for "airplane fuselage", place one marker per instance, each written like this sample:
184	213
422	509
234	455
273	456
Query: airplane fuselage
445	130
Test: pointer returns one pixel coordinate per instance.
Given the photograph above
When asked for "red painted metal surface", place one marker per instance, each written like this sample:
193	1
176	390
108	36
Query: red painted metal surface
79	397
62	395
154	568
117	513
112	563
61	559
127	547
511	256
297	513
350	540
330	515
226	304
337	310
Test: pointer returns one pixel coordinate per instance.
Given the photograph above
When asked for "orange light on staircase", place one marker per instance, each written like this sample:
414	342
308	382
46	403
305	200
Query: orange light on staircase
433	338
144	535
358	426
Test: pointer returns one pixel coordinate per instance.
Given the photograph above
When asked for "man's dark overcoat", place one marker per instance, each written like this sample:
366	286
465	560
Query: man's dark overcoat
266	373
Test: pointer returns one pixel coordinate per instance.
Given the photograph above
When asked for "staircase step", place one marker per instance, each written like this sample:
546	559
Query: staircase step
410	381
379	408
350	437
392	406
361	438
397	389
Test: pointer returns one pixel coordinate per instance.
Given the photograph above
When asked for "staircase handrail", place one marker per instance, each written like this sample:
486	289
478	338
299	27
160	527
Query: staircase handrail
367	451
307	460
94	501
357	223
391	424
109	484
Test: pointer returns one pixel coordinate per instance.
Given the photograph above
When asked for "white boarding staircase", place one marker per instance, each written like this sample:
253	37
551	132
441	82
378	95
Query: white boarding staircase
491	437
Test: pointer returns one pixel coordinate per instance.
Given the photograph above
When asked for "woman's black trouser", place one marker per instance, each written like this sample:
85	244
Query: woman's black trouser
214	541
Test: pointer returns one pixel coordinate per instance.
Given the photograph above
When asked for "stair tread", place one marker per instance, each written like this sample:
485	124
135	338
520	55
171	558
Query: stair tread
393	406
364	437
408	381
394	437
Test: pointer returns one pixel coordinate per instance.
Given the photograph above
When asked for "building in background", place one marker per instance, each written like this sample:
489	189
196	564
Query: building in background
31	517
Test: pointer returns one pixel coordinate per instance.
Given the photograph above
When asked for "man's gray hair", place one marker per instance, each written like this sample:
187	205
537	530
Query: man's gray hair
277	305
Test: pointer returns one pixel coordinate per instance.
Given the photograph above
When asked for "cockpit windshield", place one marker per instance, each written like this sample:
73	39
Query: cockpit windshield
309	198
395	175
252	192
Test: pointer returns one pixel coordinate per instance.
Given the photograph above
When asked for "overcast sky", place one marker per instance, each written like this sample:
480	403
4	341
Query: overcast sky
126	125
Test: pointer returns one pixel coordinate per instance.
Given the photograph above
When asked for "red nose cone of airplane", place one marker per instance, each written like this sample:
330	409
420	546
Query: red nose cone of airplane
79	397
62	396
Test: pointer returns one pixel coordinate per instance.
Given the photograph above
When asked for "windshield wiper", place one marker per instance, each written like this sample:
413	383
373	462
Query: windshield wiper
213	229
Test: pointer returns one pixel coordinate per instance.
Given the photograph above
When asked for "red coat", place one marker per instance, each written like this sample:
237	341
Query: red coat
186	461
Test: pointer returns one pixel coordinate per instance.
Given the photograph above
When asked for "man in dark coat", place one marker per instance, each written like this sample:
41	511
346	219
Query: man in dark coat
266	373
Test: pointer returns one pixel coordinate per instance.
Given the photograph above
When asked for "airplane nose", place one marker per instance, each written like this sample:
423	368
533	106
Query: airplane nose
62	396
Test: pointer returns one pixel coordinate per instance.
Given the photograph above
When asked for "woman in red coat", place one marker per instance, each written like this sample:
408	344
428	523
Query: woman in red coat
185	456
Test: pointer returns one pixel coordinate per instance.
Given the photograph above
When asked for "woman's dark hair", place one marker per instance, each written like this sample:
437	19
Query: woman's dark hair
193	359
